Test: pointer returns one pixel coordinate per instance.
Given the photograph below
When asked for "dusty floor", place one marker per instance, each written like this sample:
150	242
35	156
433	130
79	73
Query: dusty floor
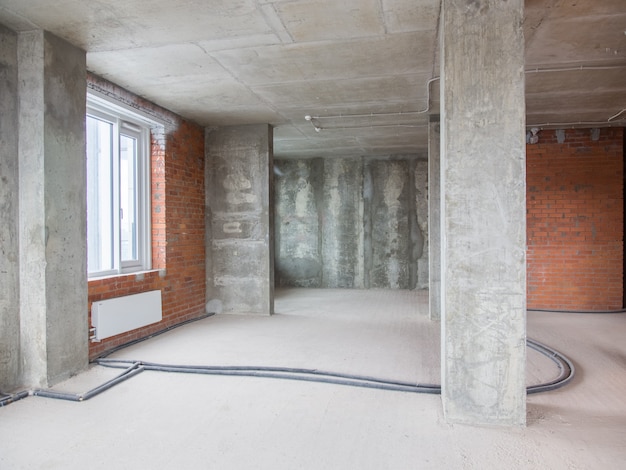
172	421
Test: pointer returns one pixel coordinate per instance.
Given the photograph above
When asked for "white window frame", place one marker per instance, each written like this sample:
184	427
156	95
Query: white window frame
136	125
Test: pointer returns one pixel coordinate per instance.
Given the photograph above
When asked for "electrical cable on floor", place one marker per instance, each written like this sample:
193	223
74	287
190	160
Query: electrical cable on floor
129	371
309	375
133	367
12	398
565	366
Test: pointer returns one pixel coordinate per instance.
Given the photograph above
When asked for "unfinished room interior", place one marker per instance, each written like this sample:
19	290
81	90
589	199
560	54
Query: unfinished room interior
312	234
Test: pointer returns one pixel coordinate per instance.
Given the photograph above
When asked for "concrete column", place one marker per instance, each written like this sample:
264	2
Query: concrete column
9	245
483	212
240	226
434	219
52	208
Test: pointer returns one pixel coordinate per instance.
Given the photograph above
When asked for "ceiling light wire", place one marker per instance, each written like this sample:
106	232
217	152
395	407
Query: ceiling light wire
397	113
573	69
583	123
615	115
318	128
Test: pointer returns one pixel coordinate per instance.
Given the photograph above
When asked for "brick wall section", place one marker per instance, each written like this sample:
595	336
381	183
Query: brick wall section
177	152
575	220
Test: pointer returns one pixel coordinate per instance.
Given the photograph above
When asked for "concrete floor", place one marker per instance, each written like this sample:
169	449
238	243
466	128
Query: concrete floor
162	421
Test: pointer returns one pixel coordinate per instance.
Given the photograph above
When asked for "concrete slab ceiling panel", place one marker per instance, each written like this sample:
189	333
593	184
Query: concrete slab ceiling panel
184	61
116	24
566	40
281	55
363	93
552	120
580	82
405	15
345	149
572	102
234	99
312	61
288	131
355	142
328	19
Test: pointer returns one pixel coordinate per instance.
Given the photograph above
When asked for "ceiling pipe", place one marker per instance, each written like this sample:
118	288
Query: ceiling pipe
318	128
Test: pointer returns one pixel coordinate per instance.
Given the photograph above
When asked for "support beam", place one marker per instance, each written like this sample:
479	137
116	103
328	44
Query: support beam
52	208
240	233
483	212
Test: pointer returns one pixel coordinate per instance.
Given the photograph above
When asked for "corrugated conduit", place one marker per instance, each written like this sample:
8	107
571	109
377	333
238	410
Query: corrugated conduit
134	367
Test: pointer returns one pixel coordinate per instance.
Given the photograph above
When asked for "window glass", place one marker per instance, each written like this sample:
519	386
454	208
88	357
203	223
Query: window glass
128	197
118	199
100	223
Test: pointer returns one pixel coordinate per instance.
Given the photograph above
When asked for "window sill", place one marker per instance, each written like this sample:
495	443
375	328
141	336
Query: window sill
138	275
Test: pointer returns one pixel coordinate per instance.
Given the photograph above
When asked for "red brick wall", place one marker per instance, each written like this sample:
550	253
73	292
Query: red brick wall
177	223
575	220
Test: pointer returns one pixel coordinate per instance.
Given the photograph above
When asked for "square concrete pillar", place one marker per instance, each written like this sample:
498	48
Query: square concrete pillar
483	212
52	209
240	227
434	219
9	243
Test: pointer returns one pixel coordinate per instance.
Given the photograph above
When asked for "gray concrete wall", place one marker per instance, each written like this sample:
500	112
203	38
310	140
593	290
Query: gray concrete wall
298	218
52	208
386	195
9	245
483	212
240	239
352	222
342	216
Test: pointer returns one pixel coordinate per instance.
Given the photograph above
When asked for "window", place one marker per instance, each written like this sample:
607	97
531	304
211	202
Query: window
118	190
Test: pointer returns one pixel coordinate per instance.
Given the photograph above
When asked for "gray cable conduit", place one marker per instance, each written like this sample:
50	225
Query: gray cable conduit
132	368
129	371
565	365
309	375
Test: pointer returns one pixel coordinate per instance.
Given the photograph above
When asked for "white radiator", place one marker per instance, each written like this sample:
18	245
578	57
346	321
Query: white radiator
114	316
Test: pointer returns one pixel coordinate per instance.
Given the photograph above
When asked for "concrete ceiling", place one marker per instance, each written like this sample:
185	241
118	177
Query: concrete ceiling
364	70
